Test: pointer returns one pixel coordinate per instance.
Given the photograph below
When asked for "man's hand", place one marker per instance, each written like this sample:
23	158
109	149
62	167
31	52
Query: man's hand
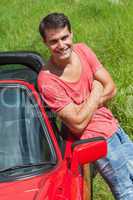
97	87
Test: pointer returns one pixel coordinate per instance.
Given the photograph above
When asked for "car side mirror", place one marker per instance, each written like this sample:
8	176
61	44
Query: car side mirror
87	151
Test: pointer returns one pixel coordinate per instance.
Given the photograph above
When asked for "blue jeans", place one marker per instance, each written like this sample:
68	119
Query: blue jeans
117	167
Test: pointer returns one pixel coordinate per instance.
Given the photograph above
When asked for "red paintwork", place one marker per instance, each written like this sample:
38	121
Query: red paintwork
87	152
64	181
50	186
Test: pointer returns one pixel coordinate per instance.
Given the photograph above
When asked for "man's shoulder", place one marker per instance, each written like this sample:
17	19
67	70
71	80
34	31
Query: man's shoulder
44	72
82	46
44	76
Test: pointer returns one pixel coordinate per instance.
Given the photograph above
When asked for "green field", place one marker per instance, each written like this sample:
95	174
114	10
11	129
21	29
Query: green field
105	26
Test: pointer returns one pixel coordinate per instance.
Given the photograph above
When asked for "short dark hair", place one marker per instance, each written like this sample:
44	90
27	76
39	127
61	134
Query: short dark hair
54	21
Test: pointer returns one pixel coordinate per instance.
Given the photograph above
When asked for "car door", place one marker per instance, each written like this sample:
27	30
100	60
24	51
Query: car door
28	147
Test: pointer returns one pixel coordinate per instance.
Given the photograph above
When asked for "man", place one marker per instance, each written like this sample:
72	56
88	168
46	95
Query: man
76	86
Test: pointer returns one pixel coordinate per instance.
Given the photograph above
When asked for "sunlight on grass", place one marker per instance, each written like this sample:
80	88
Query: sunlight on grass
100	189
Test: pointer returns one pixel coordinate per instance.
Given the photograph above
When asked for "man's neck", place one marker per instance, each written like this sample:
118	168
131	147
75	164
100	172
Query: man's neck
60	64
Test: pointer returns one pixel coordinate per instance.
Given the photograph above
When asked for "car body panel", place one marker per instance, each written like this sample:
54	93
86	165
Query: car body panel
37	187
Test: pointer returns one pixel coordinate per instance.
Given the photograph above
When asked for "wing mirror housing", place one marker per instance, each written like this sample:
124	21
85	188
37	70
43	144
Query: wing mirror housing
87	151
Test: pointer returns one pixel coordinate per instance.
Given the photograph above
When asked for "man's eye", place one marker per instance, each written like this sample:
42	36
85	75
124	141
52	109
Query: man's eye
53	41
65	37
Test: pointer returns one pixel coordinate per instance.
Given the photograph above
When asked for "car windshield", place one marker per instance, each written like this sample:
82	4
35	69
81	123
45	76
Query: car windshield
23	137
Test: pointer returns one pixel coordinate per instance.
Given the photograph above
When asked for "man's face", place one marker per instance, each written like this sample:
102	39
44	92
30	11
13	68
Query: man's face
59	42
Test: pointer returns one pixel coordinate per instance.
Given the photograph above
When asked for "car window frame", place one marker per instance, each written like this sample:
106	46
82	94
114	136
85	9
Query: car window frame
44	126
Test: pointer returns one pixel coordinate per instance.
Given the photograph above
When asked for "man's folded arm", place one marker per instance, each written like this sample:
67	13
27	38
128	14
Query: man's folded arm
77	117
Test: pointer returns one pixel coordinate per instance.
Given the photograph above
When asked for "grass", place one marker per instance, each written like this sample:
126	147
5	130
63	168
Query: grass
106	27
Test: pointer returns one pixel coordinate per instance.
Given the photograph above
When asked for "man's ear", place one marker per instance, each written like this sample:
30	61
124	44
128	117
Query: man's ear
44	40
71	35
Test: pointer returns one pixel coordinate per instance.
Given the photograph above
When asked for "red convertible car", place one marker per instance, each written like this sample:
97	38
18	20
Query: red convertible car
38	159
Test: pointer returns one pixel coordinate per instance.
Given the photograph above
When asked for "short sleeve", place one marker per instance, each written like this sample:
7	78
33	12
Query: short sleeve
54	95
91	57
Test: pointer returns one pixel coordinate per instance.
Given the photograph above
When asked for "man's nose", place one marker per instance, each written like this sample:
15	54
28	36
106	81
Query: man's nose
60	44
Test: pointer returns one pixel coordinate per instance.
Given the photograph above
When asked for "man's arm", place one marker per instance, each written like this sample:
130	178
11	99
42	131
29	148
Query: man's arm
103	76
76	117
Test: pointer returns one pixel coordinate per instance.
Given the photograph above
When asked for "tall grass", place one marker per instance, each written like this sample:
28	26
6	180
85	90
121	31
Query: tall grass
105	26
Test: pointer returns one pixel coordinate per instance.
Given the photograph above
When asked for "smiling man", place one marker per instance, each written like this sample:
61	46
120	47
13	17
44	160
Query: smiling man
76	86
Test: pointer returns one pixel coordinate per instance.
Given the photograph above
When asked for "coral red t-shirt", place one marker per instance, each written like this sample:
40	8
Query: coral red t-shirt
58	93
